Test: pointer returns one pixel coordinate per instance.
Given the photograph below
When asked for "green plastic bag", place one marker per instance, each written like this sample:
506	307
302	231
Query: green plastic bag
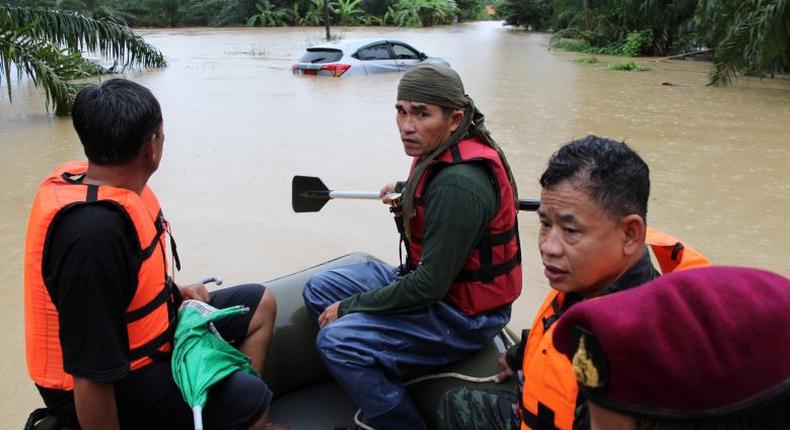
201	358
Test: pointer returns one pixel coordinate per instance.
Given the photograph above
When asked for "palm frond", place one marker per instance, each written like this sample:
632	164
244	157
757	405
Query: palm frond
78	32
45	45
33	59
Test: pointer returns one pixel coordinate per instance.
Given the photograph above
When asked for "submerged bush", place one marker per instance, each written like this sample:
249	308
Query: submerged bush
574	45
586	60
629	66
636	43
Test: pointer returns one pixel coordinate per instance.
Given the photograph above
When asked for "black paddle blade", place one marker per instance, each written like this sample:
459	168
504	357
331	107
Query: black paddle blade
308	194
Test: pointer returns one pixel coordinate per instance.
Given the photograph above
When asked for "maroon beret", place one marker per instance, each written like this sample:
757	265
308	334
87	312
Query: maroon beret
691	344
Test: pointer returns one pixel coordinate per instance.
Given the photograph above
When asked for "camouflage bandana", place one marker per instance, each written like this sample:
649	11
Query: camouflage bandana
433	84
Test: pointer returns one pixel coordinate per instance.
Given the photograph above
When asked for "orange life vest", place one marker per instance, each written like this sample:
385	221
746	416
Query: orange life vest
149	314
491	276
550	392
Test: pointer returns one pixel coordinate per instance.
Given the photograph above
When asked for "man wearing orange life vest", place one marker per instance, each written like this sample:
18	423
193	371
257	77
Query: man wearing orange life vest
592	241
99	304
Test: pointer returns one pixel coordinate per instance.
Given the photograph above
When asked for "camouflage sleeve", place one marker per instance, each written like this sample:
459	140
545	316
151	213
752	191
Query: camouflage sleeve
471	409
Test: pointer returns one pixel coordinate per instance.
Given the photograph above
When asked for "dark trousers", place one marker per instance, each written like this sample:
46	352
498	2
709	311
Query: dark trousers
148	398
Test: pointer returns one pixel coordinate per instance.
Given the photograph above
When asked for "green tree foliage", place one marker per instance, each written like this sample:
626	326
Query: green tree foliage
268	15
747	36
45	44
418	13
96	9
470	10
532	14
315	13
348	12
609	23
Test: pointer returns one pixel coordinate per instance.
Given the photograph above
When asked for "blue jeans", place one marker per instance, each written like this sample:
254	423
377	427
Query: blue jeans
372	355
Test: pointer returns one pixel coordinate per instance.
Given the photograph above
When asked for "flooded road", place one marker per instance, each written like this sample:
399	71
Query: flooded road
238	126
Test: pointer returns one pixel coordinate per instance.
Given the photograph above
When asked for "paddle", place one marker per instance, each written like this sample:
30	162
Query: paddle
309	194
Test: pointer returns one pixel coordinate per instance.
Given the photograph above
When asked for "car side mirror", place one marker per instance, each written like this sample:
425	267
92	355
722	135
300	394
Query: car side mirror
423	56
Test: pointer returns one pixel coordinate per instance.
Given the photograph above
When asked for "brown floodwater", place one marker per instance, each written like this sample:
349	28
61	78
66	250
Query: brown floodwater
238	126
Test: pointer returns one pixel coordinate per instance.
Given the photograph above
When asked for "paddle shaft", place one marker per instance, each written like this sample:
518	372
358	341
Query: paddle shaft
529	205
366	195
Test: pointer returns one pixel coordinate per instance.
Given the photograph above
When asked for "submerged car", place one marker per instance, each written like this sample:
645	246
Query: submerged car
359	57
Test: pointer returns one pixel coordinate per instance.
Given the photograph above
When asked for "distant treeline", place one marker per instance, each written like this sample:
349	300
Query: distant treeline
744	36
270	13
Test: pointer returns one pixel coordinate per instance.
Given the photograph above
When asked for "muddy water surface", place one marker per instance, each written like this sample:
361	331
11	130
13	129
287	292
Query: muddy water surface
239	126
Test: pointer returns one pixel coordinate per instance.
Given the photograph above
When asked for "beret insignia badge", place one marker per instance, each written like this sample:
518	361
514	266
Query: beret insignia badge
584	368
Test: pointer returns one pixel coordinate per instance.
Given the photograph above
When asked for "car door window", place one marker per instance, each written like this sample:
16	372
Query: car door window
375	52
404	53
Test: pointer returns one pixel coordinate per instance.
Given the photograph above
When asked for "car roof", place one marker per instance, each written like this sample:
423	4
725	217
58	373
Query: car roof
354	44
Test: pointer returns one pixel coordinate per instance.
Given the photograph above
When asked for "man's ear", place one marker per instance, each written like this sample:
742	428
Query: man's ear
456	119
633	228
152	150
149	148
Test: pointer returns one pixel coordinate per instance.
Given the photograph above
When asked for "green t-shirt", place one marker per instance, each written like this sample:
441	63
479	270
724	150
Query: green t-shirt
460	201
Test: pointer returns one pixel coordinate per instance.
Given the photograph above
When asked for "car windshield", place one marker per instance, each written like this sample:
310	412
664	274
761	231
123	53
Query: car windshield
321	55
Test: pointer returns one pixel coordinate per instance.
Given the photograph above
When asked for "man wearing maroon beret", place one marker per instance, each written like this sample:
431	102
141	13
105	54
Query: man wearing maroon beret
715	353
593	233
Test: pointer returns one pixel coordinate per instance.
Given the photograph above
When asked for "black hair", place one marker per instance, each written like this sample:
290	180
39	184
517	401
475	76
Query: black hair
772	416
114	120
610	172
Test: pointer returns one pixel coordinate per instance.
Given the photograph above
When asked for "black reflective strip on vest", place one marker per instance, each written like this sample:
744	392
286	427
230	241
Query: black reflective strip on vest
93	193
151	348
494	271
544	420
149	307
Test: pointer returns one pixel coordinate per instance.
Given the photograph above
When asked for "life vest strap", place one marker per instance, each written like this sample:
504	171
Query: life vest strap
160	228
492	272
487	242
151	349
456	154
149	307
503	238
569	300
92	194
